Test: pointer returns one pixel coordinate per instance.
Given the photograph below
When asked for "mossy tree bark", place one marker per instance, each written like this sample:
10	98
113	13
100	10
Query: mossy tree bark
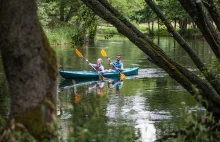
197	61
30	67
195	10
213	11
191	82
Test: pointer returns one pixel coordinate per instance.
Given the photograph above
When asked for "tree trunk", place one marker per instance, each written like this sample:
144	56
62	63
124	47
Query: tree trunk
210	6
183	25
62	6
92	34
204	70
187	79
148	23
175	23
152	27
195	10
30	67
72	12
158	26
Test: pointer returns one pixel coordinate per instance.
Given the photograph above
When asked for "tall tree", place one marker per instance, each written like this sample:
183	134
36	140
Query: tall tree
203	90
30	67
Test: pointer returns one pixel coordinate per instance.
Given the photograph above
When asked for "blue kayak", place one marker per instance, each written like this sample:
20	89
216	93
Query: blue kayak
91	74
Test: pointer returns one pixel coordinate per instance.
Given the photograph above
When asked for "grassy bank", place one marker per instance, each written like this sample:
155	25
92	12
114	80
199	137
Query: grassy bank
188	33
60	35
63	34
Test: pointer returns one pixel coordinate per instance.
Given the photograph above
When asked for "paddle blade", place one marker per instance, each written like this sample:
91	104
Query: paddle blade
122	77
78	98
78	53
103	53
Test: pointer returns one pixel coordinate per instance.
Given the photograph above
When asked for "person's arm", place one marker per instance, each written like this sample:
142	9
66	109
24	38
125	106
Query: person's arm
122	67
109	61
102	68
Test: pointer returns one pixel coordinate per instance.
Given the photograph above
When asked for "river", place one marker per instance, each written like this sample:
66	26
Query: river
145	107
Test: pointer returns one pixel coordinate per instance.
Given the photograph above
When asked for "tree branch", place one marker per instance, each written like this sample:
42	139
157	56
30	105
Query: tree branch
194	9
210	6
200	65
186	78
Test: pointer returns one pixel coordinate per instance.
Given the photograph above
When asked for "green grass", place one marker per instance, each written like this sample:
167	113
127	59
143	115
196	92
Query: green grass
63	34
60	35
143	28
107	30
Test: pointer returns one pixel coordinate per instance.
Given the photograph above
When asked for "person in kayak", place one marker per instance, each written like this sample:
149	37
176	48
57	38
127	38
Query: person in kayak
98	67
117	65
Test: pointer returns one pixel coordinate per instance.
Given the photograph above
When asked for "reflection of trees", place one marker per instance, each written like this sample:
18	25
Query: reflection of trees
88	118
164	98
167	95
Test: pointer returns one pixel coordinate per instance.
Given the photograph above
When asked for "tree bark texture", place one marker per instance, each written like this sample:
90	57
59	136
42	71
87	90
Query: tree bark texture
199	64
186	78
30	66
195	10
210	6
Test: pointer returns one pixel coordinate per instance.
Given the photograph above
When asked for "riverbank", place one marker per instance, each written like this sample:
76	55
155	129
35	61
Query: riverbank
62	35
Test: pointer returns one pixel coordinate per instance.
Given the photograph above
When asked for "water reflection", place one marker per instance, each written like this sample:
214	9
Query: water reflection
138	107
135	108
132	110
117	84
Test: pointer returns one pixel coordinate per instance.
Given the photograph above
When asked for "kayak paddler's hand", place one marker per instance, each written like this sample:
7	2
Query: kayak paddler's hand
109	61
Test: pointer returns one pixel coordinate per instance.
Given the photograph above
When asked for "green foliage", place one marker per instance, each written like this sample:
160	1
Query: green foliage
203	127
86	25
107	30
187	33
44	10
127	7
215	68
172	10
162	32
144	15
199	126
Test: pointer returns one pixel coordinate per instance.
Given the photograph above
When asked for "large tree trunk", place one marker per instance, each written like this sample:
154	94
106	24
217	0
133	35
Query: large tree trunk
30	67
192	83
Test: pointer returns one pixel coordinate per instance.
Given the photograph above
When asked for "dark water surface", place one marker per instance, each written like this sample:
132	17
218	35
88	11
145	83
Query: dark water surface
139	110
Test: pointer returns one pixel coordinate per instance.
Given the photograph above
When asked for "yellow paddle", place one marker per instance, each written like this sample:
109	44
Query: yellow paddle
80	55
104	54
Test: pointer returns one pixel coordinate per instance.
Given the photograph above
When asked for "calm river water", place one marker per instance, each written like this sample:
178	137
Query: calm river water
146	106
